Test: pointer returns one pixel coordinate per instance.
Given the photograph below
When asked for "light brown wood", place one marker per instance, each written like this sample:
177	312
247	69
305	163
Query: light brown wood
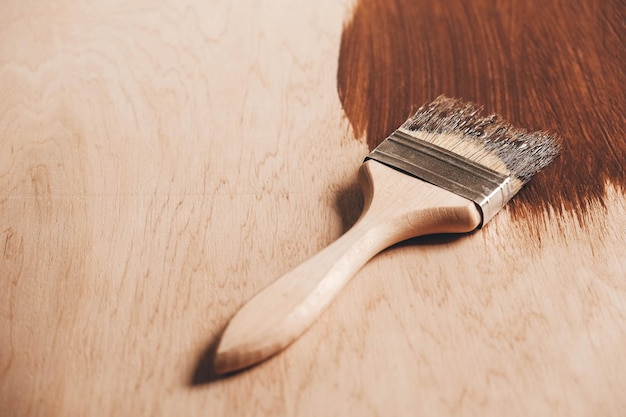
397	207
162	162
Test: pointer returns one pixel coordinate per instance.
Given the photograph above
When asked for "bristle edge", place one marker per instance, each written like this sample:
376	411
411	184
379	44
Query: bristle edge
524	153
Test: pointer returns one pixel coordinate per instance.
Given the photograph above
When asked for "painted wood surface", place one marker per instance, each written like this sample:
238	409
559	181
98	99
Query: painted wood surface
160	164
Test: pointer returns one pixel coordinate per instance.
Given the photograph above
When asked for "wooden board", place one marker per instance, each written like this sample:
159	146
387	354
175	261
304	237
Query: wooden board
159	164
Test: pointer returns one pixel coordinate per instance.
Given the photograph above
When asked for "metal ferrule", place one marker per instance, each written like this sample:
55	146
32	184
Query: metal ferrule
489	189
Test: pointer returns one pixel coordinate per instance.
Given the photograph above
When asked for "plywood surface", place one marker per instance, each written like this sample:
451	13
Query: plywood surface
160	163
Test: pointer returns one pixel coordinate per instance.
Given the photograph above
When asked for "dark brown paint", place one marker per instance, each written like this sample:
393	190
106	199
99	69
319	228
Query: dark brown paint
556	65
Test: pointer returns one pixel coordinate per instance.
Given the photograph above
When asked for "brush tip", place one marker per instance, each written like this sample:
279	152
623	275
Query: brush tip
458	126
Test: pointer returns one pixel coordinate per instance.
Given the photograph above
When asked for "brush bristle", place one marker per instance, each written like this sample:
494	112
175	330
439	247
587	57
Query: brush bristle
458	126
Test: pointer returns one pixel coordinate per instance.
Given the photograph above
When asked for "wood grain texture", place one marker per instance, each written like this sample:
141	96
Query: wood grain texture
160	164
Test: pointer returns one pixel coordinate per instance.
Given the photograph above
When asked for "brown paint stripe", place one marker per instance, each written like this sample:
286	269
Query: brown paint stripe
556	65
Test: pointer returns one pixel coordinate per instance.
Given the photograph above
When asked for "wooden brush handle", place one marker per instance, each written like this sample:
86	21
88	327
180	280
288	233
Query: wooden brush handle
397	207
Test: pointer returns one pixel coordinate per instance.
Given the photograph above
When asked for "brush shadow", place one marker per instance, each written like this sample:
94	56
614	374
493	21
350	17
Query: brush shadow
431	240
349	204
204	372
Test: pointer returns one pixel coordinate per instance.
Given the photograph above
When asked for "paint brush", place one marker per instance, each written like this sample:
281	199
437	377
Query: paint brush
447	169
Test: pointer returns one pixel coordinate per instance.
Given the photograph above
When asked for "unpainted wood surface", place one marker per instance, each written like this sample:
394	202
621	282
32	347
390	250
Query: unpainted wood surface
161	163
